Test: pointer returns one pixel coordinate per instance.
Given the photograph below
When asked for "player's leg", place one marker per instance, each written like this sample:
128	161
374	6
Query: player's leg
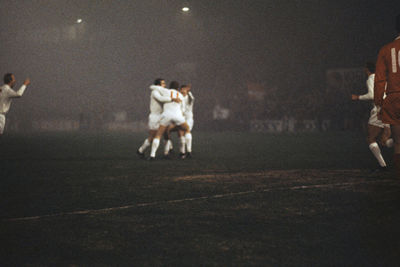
386	139
373	133
146	143
171	128
2	123
190	123
188	138
167	138
153	124
182	143
156	141
396	138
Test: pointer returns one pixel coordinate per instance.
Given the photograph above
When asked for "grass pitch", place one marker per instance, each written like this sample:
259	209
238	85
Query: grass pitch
244	199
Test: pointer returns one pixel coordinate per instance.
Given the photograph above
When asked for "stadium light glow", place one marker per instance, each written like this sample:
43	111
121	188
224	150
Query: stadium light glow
79	21
185	9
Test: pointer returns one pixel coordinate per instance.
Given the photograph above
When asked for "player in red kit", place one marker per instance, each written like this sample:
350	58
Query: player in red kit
387	80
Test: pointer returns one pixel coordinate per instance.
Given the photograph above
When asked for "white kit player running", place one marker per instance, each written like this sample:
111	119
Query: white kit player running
172	114
159	96
6	96
376	127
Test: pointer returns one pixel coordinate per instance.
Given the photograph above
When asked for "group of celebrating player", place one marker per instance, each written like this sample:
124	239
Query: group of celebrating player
170	110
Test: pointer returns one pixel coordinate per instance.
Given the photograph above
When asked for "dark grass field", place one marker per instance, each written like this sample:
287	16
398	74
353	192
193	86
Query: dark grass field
244	199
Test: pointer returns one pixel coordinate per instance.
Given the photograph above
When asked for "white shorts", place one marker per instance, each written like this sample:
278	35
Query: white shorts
2	123
168	118
373	119
190	122
154	121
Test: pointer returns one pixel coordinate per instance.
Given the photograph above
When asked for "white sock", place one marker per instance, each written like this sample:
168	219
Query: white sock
170	144
377	153
154	147
389	142
145	145
182	144
188	140
166	147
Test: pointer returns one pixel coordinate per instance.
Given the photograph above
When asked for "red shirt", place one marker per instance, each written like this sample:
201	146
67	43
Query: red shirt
387	74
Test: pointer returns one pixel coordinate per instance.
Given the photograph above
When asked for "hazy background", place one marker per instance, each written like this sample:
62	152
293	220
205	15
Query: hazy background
106	63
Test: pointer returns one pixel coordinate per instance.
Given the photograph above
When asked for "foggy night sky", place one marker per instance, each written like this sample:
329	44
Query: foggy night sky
107	63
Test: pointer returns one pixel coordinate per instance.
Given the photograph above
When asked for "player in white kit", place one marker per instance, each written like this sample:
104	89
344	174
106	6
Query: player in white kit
172	114
188	114
6	96
376	128
187	110
157	100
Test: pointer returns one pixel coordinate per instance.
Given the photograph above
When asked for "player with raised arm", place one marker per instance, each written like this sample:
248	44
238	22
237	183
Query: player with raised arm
172	114
376	128
157	99
7	94
387	80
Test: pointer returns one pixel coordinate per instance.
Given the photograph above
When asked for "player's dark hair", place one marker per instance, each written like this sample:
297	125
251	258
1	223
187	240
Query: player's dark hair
174	85
398	23
8	78
370	66
158	81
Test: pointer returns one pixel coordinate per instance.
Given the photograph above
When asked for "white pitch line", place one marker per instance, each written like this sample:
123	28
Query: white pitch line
105	210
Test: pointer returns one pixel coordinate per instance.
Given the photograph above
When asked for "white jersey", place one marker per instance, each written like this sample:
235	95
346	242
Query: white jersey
7	94
157	101
188	105
188	109
174	107
370	86
159	96
373	118
172	113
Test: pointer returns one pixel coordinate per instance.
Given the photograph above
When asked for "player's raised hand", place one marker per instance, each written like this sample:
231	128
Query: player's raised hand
27	81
